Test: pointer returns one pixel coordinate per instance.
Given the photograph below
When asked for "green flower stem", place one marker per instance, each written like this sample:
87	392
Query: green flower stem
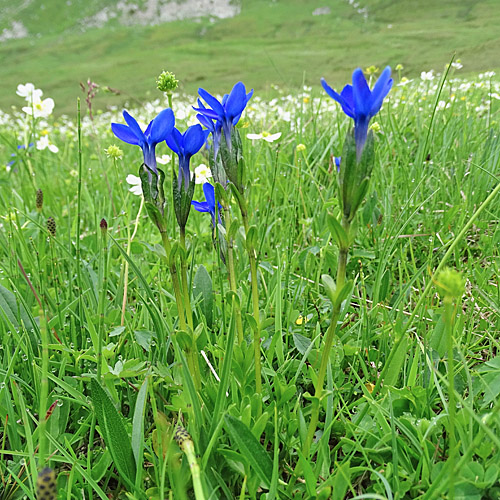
252	257
448	323
44	389
191	353
102	304
232	278
175	281
78	229
187	446
185	288
325	352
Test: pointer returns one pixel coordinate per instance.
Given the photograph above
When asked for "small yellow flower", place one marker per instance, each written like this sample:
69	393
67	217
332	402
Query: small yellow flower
301	320
306	100
44	132
375	126
399	67
300	147
370	387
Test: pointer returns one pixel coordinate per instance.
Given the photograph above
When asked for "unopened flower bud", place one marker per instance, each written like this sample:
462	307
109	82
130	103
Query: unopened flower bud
104	227
450	284
114	152
39	200
51	226
167	82
300	147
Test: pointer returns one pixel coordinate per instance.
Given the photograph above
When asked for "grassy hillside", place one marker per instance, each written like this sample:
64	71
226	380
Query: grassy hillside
269	42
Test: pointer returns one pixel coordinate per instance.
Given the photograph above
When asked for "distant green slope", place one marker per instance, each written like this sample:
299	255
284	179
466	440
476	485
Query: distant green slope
269	42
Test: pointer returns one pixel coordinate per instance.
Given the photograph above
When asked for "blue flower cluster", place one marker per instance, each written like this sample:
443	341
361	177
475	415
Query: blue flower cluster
219	118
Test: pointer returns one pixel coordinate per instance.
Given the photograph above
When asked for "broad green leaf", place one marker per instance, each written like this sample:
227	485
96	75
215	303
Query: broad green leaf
114	433
15	312
203	287
252	450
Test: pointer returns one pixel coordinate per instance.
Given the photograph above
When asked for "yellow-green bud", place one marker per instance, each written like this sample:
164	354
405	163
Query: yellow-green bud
372	70
300	147
399	67
167	82
114	152
450	283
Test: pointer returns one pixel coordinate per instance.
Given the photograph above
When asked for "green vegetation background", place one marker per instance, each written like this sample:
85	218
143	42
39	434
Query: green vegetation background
269	42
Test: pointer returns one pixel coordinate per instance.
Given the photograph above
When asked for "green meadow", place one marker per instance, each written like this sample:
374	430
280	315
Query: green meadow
270	42
328	330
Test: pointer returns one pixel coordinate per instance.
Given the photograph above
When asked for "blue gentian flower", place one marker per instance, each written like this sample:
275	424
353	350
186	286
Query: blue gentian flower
360	103
207	206
186	145
157	131
228	112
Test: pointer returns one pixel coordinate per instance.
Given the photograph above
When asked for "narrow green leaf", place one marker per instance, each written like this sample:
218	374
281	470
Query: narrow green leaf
138	421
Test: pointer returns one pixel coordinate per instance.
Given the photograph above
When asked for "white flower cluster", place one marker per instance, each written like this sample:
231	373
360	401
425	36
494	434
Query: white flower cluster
37	107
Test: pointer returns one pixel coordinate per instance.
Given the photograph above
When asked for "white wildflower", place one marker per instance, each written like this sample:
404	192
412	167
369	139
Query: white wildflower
202	174
44	143
136	184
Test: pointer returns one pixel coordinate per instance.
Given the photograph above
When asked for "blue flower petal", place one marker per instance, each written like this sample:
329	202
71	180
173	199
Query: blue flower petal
193	139
206	122
212	102
208	113
361	93
134	126
174	141
236	101
209	192
348	105
380	90
162	126
124	133
201	206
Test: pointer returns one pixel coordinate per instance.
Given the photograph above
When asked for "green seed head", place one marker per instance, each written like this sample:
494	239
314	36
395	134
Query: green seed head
39	200
450	284
51	226
46	488
167	82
